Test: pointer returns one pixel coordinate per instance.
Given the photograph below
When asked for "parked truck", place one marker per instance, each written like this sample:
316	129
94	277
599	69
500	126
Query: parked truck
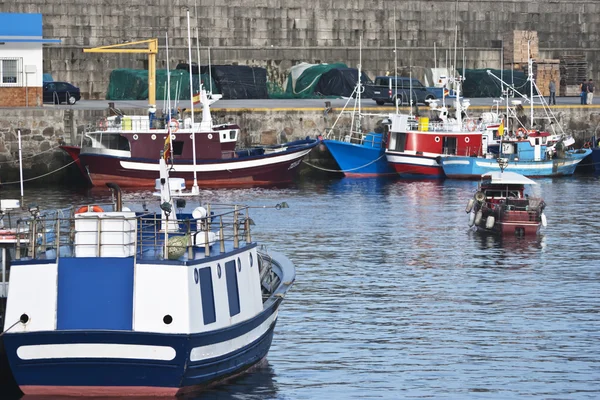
389	89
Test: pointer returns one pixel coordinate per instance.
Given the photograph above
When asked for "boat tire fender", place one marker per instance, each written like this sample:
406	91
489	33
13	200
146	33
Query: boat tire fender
471	218
478	217
479	196
543	220
470	205
471	125
489	222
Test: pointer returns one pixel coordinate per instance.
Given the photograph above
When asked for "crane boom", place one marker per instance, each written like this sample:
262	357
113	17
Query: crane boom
151	50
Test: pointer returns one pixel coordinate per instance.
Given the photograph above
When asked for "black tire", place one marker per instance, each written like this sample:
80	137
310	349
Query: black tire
397	100
71	100
380	102
429	97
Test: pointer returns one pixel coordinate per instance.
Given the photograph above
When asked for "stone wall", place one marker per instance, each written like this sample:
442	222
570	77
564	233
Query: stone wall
277	34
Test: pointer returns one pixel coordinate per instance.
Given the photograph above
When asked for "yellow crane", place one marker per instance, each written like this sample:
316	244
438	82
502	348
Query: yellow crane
151	50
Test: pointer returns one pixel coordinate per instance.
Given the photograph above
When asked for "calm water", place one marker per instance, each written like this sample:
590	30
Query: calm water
396	298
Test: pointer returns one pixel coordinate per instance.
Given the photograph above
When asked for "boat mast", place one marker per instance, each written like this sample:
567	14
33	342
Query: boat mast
169	97
359	85
395	63
530	72
195	189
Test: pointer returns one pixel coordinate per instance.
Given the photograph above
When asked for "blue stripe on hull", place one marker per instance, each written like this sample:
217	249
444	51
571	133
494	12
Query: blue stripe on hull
354	159
178	373
468	168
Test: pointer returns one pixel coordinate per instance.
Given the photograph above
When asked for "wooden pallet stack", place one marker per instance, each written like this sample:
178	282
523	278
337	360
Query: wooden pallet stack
518	46
546	71
573	71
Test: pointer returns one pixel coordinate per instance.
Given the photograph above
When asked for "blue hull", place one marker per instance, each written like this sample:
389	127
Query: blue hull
359	160
72	376
460	167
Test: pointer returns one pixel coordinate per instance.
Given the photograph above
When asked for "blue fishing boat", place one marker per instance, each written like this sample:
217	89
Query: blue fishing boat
514	148
531	157
105	301
358	154
362	156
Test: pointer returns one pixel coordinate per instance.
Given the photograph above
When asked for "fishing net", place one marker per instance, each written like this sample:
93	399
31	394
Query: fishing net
132	84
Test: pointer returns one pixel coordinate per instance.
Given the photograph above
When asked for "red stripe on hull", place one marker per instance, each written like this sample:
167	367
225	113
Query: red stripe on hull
99	391
414	170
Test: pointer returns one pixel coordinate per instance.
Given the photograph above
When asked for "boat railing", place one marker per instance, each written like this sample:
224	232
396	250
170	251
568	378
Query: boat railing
529	204
146	236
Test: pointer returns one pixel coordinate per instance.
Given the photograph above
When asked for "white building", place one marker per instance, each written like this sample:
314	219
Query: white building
21	59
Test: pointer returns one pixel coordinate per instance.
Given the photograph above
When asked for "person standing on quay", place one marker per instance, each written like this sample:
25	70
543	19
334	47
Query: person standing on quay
590	92
552	88
583	94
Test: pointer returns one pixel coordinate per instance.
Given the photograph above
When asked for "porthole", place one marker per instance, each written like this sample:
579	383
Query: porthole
196	277
173	137
251	259
210	136
239	265
437	139
167	319
467	139
219	270
153	137
135	137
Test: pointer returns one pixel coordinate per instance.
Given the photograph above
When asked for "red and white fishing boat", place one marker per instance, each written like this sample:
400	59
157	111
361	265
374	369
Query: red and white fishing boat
123	150
500	206
415	145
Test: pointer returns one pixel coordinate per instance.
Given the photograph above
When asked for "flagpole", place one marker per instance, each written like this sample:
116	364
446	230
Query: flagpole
195	189
169	99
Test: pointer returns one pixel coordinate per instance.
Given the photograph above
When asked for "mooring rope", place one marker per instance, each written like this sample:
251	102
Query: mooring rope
343	170
41	176
9	328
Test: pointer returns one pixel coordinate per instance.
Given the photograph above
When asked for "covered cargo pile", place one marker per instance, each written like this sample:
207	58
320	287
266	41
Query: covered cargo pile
132	84
303	79
235	81
342	82
478	83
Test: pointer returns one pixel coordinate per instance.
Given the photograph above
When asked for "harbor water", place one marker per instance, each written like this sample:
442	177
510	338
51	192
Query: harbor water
396	298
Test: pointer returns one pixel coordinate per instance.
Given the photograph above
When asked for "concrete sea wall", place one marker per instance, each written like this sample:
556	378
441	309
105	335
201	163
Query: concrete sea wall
277	34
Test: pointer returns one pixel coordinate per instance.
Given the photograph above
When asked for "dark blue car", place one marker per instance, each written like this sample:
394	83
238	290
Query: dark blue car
61	92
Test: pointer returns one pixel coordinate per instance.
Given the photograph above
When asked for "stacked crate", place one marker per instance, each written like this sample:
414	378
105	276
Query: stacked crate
518	47
574	70
546	71
517	50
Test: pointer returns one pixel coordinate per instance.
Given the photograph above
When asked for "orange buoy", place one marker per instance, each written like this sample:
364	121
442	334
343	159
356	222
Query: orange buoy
84	209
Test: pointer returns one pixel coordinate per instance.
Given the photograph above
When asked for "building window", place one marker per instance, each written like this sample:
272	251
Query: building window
11	71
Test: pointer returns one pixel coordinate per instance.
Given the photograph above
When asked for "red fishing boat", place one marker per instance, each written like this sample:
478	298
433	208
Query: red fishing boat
416	145
123	151
500	206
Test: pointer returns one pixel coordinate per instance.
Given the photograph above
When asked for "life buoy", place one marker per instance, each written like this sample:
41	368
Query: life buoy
103	124
174	124
522	131
479	196
84	209
471	125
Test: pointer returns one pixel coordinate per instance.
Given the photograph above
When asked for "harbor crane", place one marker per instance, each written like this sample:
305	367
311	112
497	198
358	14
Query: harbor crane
151	50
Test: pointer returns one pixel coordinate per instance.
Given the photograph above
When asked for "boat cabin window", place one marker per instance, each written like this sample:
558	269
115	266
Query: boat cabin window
233	293
207	295
501	193
113	141
400	142
177	148
233	135
449	145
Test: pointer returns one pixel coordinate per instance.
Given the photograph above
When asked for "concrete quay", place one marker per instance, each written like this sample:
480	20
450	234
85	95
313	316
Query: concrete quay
43	129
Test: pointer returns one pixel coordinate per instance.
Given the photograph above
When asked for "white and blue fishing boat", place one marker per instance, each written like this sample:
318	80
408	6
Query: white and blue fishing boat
107	301
531	157
514	148
358	154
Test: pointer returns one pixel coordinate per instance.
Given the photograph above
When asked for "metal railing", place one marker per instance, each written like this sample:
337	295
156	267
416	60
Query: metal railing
145	235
